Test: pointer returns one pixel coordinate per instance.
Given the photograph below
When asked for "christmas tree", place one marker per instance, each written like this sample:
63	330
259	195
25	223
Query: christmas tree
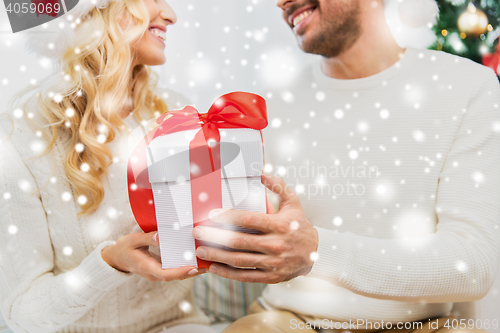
469	29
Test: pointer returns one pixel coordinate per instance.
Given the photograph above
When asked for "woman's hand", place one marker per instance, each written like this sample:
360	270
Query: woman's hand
131	254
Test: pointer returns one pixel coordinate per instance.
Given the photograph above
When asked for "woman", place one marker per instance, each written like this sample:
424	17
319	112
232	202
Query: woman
72	255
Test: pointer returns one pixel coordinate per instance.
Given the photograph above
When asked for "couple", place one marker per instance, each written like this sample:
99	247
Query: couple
401	148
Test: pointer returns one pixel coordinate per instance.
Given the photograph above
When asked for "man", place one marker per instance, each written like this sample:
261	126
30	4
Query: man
393	154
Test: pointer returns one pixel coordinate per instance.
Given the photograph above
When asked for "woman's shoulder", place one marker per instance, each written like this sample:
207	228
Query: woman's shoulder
21	127
174	99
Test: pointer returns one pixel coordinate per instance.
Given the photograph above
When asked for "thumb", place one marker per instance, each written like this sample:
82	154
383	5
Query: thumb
286	196
141	239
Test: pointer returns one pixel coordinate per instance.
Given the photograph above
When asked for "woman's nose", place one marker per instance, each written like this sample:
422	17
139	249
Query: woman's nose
168	13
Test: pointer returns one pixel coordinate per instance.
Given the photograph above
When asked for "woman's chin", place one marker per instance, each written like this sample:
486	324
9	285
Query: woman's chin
157	61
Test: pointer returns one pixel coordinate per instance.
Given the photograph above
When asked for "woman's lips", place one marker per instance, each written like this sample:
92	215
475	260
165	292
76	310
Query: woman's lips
157	38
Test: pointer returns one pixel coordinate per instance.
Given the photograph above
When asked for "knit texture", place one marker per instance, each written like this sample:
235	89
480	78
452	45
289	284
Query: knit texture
52	275
399	174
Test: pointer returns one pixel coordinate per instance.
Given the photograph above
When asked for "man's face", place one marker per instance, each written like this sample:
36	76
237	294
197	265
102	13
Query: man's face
324	27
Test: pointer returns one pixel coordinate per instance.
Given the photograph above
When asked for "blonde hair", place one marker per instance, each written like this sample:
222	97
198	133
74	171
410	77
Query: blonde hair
96	81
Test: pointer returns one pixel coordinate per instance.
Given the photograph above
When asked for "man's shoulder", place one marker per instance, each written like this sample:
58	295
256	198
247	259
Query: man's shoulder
465	70
297	89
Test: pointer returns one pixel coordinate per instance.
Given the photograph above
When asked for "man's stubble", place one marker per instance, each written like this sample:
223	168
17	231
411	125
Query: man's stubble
337	31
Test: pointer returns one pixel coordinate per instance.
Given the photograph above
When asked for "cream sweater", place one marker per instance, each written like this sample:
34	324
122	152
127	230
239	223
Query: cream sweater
400	174
52	275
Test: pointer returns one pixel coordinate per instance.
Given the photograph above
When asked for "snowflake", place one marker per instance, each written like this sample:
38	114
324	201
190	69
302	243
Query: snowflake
82	200
85	167
276	123
67	250
203	197
268	168
112	213
18	113
418	135
337	221
24	185
384	114
288	97
79	148
461	266
320	96
478	177
13	229
188	255
353	154
185	306
101	138
363	127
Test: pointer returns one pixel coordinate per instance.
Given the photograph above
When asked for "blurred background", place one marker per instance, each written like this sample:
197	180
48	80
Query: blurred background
219	46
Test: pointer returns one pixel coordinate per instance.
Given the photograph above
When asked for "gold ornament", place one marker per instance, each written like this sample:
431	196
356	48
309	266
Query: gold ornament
473	21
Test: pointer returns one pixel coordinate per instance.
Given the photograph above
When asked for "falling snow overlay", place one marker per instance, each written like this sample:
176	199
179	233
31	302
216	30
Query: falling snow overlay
219	46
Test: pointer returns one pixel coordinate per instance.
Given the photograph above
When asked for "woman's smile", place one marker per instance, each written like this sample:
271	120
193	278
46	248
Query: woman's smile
158	33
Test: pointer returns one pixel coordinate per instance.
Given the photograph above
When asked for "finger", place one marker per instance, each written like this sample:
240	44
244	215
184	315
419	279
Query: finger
155	256
286	196
232	239
179	273
144	264
231	258
141	239
269	206
244	275
172	274
251	220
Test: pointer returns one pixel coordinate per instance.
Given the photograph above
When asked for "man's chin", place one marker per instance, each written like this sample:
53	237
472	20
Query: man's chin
318	47
309	47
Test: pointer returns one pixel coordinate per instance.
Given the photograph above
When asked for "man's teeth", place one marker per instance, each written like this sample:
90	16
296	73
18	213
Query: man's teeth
158	33
301	17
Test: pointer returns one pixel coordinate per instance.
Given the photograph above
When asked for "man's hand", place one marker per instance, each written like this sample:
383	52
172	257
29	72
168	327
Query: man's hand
286	248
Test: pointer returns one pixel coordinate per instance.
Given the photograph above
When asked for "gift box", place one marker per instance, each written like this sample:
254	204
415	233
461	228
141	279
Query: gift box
192	163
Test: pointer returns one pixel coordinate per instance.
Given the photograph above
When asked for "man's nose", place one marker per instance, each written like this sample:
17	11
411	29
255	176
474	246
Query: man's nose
283	4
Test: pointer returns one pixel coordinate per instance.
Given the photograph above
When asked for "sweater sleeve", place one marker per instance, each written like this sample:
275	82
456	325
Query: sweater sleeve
33	299
459	261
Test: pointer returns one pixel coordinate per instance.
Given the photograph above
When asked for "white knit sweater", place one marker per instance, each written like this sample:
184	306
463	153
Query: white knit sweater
52	275
400	174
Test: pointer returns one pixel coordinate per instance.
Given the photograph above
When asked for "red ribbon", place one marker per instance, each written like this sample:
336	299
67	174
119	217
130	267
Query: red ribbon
492	60
233	110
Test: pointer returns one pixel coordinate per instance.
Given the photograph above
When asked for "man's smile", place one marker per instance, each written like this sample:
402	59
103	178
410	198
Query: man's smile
299	18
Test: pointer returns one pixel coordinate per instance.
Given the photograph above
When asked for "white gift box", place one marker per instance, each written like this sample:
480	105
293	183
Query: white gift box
168	157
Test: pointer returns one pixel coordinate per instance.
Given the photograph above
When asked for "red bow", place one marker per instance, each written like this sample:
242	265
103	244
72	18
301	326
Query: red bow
493	60
233	110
